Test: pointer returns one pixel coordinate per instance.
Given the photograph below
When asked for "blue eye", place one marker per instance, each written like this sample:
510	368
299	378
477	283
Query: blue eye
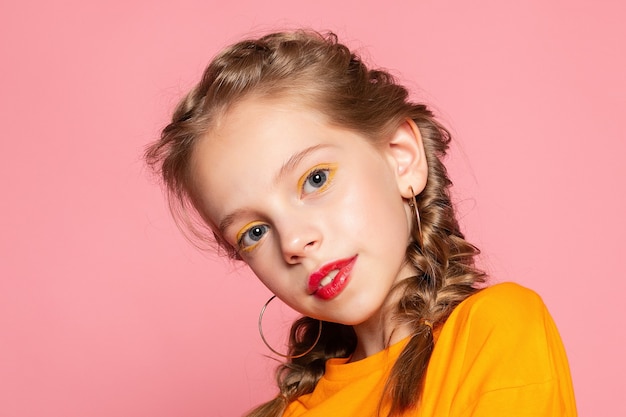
315	180
252	236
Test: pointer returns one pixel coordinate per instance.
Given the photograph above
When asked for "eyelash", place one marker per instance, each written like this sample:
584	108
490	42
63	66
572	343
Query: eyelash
244	233
327	169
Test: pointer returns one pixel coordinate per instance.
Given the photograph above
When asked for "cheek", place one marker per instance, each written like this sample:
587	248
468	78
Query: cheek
375	210
262	270
269	268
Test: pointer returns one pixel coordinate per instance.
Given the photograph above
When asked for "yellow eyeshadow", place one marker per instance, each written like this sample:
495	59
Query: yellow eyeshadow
248	248
321	167
244	229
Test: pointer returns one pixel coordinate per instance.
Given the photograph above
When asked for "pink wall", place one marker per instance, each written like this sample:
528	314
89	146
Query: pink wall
106	311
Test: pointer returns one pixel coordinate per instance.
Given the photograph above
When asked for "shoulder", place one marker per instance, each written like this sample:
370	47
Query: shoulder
505	297
501	334
500	311
508	300
501	354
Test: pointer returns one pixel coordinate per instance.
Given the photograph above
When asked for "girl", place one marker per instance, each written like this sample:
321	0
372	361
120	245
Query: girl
327	181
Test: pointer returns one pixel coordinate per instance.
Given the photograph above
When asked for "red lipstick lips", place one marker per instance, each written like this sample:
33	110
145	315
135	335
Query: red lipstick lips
328	281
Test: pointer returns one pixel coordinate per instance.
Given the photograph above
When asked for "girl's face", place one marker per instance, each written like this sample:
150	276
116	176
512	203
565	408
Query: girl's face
315	210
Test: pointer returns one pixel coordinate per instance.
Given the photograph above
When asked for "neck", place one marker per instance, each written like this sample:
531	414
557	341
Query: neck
372	338
381	330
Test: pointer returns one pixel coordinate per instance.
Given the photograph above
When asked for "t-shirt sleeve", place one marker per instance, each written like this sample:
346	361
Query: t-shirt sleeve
507	357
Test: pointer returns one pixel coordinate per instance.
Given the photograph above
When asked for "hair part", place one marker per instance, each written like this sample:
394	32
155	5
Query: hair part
318	69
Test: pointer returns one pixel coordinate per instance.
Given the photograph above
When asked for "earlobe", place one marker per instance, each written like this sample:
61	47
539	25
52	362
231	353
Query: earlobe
406	153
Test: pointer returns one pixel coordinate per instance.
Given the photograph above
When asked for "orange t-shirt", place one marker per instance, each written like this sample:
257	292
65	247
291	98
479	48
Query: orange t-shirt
498	354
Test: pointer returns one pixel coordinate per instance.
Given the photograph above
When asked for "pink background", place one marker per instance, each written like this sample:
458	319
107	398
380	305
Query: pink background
105	310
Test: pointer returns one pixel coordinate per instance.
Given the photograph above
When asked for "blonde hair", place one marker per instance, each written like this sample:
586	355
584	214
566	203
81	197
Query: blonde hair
337	83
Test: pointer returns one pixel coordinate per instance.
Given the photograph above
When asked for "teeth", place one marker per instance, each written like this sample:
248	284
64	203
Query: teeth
329	278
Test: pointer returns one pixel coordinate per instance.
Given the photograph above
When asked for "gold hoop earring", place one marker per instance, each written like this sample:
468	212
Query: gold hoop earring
416	213
319	334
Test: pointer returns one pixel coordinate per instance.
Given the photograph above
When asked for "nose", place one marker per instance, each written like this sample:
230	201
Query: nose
298	239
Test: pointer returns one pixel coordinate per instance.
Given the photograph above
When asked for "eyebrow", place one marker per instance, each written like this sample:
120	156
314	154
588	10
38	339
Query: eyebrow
229	219
295	159
288	166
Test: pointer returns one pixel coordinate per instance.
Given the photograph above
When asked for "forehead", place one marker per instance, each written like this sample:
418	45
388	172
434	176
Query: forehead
246	149
257	130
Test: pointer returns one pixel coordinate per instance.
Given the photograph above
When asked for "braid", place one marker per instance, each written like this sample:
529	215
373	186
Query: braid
446	273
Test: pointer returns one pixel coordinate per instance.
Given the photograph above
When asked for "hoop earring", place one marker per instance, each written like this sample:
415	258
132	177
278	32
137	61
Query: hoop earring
319	334
416	213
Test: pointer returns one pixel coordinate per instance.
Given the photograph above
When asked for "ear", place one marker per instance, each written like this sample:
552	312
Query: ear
405	153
